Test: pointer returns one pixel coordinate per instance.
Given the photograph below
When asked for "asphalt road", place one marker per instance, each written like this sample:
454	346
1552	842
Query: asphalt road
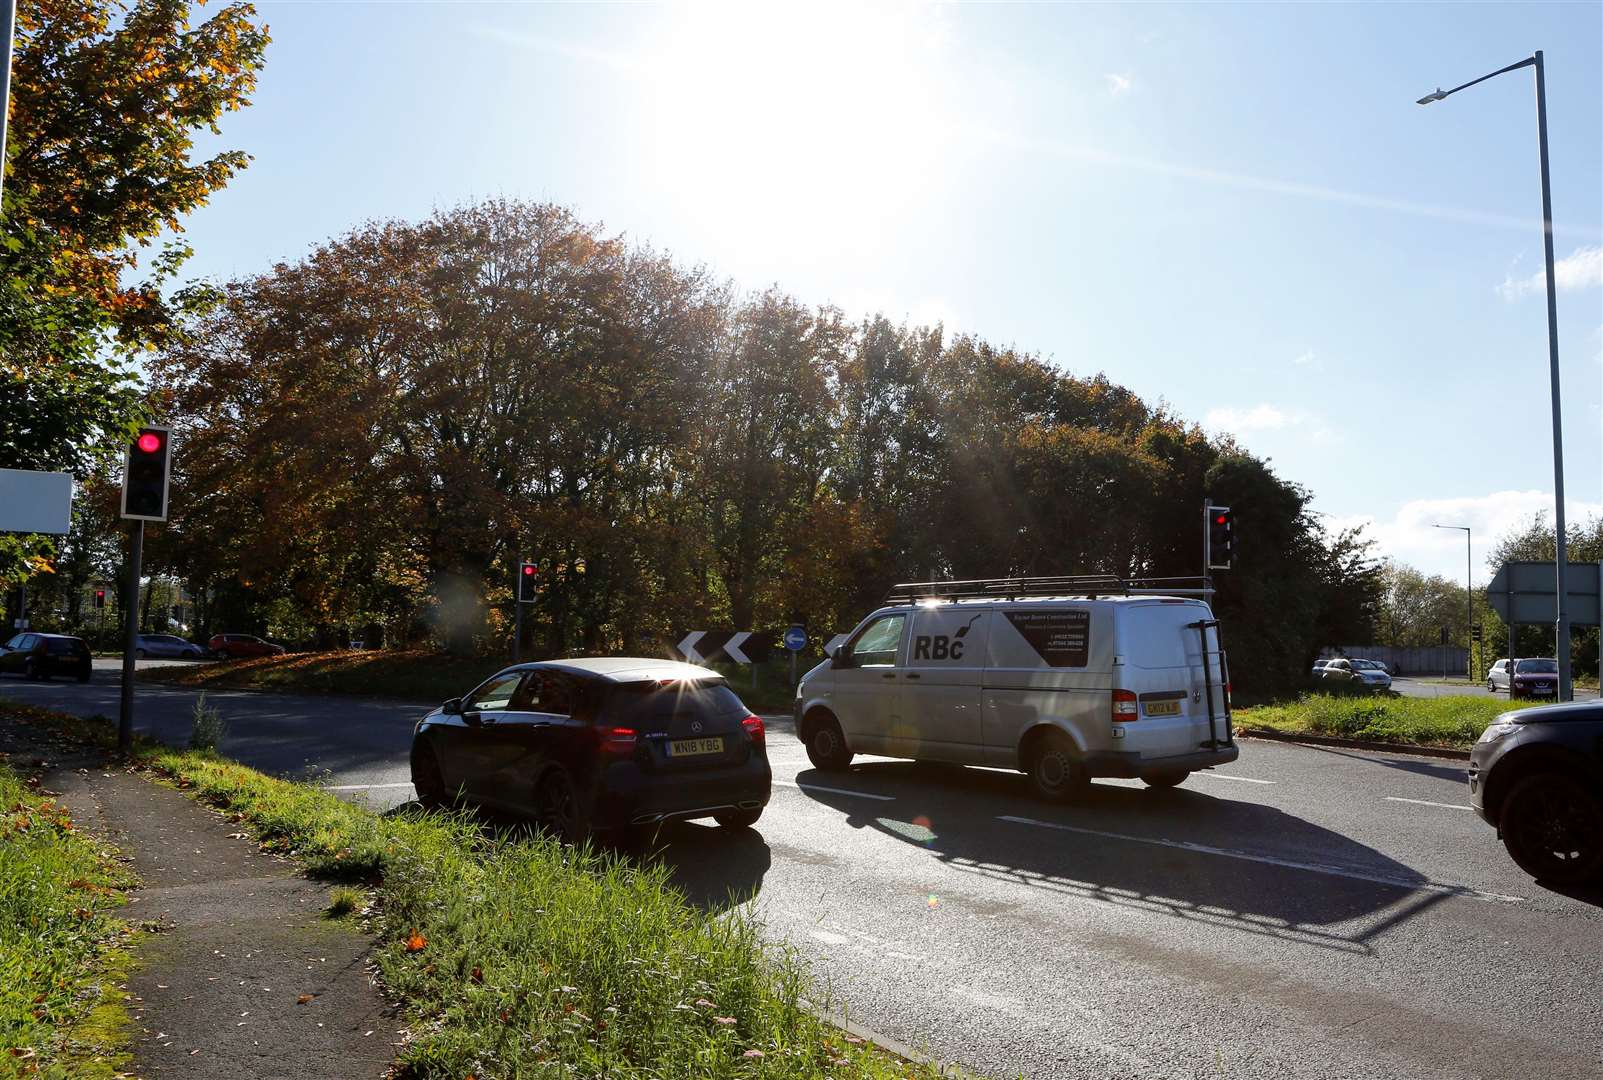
1304	913
1437	687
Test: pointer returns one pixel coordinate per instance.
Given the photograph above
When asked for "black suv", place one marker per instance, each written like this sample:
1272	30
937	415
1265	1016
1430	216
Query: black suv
39	656
1537	774
597	746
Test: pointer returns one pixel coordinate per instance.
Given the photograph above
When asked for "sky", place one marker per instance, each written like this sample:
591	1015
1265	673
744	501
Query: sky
1235	209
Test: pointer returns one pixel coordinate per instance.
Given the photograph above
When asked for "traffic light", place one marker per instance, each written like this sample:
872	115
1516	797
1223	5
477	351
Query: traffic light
1221	538
144	481
1475	632
100	598
528	582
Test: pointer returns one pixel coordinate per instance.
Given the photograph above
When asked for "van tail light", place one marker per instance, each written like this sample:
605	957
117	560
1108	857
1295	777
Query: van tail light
754	728
619	740
1124	706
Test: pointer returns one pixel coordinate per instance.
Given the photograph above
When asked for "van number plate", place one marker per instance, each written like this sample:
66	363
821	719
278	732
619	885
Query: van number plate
1162	708
692	747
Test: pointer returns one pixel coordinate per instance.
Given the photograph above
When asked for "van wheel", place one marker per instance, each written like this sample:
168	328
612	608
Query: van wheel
826	746
1055	771
1167	779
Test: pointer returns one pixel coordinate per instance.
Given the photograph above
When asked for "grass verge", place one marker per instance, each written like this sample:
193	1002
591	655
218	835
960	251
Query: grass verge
1453	722
62	948
517	957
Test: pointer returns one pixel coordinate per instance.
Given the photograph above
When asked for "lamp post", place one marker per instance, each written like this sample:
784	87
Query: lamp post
1561	618
1469	599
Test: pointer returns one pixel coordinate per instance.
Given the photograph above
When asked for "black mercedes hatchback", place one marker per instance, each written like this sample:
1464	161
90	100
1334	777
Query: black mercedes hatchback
597	746
1537	775
41	656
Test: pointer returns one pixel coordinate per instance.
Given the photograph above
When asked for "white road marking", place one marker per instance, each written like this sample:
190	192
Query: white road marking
1427	802
364	787
1228	776
836	790
1270	860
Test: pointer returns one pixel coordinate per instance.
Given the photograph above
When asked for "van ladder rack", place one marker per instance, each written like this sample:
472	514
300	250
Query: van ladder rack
1087	585
1202	629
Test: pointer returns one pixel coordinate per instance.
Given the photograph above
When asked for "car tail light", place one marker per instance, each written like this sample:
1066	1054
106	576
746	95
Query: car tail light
754	728
619	740
1124	706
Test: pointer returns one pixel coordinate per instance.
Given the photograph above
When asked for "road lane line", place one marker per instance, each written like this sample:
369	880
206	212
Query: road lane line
364	787
1427	802
836	790
1227	776
1270	860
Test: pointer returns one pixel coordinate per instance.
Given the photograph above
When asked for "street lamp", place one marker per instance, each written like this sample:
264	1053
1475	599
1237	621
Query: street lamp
1469	596
1561	624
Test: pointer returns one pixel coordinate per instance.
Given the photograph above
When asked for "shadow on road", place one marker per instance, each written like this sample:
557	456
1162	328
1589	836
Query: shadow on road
1183	853
1456	773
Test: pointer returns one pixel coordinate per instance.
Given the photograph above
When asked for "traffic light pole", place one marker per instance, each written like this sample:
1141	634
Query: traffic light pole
517	608
125	717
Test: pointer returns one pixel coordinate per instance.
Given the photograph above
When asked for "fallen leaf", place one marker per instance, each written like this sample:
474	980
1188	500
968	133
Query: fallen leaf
303	999
416	942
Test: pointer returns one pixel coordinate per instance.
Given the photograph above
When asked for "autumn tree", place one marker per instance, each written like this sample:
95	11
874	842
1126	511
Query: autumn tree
106	99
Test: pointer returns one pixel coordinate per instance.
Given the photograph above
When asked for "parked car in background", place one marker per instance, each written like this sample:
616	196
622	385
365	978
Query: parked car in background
1536	678
1497	676
167	645
1319	668
41	656
1372	673
1537	775
237	646
588	746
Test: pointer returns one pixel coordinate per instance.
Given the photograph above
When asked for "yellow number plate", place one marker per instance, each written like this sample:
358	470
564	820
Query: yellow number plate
1162	708
692	747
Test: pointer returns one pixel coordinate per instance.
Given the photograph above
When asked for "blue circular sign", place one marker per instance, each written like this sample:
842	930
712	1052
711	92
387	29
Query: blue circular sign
795	639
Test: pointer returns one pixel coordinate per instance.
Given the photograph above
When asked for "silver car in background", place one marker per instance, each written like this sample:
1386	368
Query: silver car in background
167	645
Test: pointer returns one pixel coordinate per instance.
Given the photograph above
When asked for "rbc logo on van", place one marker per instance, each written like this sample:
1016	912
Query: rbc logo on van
937	647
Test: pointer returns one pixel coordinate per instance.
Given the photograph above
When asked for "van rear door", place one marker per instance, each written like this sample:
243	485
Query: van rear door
1173	677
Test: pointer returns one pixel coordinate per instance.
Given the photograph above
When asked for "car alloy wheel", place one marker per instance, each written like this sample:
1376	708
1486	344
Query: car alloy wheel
426	778
556	807
1552	825
1055	772
826	746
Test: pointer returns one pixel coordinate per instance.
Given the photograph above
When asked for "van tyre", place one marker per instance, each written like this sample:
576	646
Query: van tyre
1167	779
1552	826
738	819
826	746
1055	770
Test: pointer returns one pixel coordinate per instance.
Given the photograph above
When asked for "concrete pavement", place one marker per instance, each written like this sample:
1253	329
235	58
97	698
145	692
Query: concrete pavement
1306	912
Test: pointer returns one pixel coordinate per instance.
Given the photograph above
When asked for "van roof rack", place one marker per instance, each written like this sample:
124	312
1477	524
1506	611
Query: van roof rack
1013	588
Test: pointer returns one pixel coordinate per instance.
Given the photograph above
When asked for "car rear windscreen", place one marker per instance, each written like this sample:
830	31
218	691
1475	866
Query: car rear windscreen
649	706
1537	667
67	647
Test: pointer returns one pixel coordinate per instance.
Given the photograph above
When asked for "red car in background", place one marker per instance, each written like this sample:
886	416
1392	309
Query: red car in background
236	646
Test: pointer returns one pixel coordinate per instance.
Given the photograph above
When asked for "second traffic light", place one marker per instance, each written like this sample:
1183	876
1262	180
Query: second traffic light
100	598
1221	538
528	582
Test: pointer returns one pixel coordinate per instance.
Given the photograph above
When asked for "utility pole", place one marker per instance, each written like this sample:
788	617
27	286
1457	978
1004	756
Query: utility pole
130	596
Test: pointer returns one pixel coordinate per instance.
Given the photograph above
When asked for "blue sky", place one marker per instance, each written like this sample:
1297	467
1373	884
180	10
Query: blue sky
1235	209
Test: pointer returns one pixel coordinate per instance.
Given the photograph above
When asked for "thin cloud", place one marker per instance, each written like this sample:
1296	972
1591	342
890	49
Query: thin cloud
1258	418
1583	269
1118	84
1306	359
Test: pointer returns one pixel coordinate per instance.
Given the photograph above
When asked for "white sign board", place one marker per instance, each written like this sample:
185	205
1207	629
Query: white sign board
35	502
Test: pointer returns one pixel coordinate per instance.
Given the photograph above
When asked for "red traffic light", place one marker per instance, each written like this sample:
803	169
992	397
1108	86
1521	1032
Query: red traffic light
1220	520
528	570
149	442
100	594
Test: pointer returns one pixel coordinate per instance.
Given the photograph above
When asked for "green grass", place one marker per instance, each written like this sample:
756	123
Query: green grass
1441	721
61	955
517	957
343	901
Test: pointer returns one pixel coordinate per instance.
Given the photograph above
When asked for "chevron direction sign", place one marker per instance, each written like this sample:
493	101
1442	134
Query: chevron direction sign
741	646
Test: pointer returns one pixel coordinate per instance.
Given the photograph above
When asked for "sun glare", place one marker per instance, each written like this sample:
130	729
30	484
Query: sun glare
802	122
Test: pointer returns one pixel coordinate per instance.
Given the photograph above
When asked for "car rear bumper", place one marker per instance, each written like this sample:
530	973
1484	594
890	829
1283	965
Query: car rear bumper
630	795
1131	765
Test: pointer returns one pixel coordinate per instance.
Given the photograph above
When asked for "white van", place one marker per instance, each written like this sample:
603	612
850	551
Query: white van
1064	679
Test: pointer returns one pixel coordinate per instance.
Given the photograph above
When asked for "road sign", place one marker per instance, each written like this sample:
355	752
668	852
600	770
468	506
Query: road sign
35	502
687	646
795	639
741	646
1524	592
732	647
